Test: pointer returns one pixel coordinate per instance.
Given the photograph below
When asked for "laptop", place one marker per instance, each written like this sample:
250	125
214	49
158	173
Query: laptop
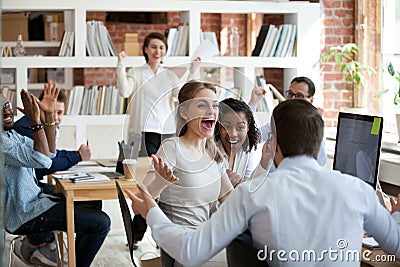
127	218
107	163
358	146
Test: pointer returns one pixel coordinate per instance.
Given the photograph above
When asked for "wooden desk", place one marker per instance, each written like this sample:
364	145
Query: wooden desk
92	191
377	258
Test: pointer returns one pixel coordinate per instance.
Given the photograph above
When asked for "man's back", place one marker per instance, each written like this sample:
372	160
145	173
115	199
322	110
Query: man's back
310	213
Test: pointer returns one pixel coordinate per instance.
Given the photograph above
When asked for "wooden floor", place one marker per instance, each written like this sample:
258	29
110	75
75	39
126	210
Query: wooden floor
114	252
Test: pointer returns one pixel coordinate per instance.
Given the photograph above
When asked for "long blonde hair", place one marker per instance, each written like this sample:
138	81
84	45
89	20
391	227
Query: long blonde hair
187	92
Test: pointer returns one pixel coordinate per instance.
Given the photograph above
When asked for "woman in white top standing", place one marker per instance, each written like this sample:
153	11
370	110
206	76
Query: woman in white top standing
237	137
153	91
191	161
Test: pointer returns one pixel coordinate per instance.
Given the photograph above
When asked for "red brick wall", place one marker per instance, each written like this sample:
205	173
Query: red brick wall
337	29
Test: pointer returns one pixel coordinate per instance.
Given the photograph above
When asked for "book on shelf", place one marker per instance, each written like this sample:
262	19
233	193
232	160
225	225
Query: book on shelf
269	41
178	40
98	40
8	94
76	101
67	44
95	100
262	35
277	41
281	41
170	33
291	47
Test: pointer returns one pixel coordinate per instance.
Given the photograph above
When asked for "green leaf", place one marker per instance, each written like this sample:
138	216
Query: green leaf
390	69
381	93
337	59
343	68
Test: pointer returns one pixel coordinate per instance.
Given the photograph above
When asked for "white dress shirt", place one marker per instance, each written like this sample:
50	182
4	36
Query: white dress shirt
301	207
151	107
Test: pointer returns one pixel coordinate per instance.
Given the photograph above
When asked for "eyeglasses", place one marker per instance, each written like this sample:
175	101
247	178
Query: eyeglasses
290	94
7	105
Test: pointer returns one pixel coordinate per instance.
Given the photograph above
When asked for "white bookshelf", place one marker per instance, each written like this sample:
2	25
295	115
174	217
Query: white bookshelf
304	14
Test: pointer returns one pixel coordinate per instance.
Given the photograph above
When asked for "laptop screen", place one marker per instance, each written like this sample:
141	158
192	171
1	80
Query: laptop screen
358	146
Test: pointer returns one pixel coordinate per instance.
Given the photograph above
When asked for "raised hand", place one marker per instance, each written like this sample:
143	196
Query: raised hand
256	95
31	108
122	55
194	65
395	204
142	201
84	152
267	152
163	170
50	95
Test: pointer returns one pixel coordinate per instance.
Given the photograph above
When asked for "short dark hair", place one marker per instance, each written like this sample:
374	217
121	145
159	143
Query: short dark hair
311	85
62	96
233	105
299	128
153	35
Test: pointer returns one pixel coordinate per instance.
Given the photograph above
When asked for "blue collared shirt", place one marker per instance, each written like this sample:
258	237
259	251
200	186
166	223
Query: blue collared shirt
24	199
63	159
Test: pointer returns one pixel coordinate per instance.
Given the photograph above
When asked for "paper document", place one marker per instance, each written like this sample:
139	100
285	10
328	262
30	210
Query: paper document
70	175
370	242
92	169
86	163
97	177
205	50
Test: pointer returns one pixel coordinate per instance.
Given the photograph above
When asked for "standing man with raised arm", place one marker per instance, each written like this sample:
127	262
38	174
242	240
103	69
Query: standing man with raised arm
301	207
30	212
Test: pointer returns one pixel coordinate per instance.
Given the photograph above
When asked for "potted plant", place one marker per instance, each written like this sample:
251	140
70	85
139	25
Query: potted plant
344	56
396	75
396	98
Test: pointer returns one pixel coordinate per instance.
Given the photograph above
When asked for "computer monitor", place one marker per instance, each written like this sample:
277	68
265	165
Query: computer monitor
358	146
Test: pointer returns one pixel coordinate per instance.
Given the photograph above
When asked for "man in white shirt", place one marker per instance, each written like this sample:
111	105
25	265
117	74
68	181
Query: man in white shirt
300	87
302	214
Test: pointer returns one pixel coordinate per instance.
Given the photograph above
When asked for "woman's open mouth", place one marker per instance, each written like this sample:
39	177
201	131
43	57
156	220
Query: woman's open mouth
208	124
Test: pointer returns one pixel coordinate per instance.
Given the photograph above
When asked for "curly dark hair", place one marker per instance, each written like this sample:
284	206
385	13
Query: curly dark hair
233	105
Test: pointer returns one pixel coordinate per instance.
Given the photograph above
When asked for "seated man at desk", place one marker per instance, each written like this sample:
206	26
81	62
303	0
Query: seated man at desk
64	159
29	211
300	208
300	87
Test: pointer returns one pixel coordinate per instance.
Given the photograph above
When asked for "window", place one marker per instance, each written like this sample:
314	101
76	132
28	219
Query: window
390	53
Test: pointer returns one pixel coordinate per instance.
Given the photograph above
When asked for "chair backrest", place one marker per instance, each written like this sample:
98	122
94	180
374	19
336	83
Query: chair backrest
128	223
240	253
